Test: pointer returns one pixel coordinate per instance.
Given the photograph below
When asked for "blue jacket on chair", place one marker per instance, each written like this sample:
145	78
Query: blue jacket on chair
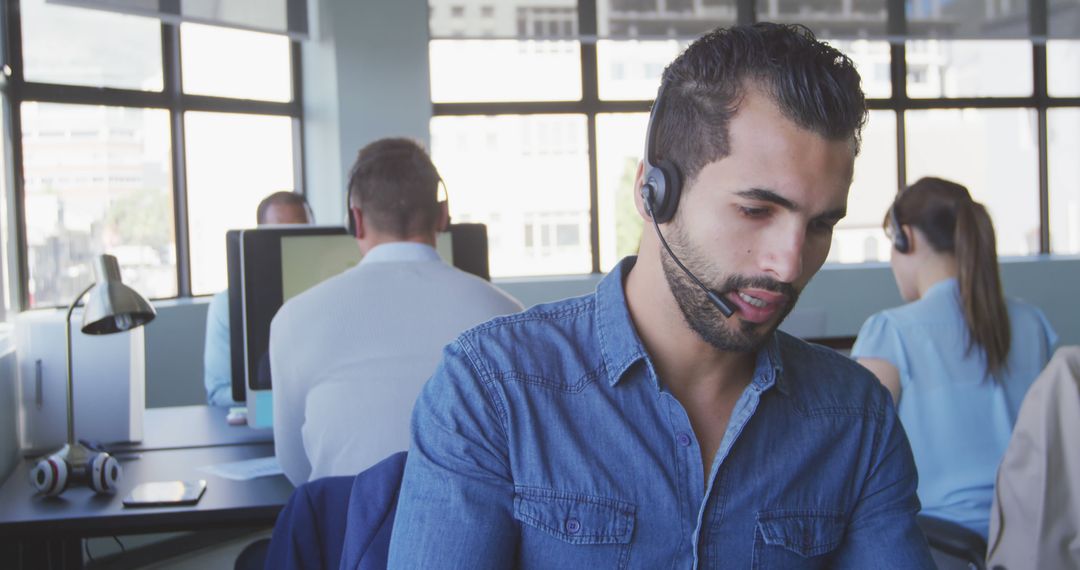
339	521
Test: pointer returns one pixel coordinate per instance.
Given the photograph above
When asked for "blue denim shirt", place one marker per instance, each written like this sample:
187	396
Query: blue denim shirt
545	439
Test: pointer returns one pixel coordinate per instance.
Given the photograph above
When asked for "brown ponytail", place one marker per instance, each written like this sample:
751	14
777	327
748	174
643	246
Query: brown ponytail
953	222
980	285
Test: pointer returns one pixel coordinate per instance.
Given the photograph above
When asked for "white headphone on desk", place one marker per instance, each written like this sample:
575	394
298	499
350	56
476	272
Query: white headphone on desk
52	475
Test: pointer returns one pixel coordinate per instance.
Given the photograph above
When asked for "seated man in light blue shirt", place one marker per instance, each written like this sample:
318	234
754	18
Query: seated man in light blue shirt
278	208
663	421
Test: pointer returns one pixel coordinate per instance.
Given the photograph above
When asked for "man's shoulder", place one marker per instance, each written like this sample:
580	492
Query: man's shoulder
820	378
542	332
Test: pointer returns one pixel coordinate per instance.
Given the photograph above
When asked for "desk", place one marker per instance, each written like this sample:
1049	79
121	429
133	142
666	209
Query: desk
51	529
186	427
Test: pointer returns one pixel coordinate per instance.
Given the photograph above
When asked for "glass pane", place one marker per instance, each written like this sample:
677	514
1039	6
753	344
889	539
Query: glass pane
97	180
620	144
858	237
512	70
1063	138
502	19
994	152
90	47
235	63
233	162
645	19
527	178
630	70
1064	17
1063	67
969	68
967	19
829	18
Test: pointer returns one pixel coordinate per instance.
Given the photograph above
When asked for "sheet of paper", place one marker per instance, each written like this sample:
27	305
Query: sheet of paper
246	469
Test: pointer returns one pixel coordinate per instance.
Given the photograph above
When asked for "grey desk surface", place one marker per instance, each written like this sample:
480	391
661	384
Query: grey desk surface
183	427
78	512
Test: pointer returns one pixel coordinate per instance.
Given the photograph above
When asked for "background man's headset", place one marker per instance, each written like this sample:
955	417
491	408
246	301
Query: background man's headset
53	474
350	223
660	191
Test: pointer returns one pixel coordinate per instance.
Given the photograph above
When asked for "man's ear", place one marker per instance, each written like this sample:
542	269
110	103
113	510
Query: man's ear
443	222
639	202
358	221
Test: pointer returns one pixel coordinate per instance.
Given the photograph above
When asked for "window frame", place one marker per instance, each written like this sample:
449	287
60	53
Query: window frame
171	98
591	105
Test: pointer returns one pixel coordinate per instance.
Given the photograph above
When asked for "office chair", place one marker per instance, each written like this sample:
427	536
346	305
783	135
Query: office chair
953	546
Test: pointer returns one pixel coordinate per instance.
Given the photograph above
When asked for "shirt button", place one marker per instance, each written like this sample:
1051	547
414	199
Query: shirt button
573	526
683	439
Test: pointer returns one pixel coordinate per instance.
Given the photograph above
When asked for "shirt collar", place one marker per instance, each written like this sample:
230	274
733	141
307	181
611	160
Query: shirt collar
619	342
621	347
945	286
400	251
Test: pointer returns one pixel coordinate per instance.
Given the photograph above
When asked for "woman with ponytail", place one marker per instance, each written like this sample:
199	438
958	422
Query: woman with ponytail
959	356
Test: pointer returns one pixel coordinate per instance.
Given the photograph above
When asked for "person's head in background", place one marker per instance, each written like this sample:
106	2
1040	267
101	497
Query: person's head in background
939	232
393	195
284	207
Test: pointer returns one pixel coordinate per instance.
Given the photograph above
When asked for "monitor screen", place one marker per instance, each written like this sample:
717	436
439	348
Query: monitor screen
270	265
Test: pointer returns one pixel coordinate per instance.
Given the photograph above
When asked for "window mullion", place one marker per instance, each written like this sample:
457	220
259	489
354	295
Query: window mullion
173	72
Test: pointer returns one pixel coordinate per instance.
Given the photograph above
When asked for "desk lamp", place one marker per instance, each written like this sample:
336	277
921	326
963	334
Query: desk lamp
111	307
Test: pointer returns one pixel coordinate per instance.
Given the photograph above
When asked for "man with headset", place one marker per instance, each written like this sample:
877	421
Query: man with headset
663	421
349	355
282	207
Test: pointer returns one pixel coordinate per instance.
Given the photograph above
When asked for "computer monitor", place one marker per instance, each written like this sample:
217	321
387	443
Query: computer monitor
269	265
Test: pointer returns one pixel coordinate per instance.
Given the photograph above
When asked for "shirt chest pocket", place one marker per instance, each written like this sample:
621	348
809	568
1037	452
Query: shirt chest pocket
797	539
574	530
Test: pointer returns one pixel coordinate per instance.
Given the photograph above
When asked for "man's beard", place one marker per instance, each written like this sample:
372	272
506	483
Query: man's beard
702	316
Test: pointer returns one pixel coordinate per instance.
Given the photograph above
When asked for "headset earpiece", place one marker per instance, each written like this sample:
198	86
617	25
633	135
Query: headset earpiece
661	188
899	238
50	476
103	472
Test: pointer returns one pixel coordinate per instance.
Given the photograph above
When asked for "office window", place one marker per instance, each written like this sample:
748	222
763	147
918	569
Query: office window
75	46
829	18
654	19
97	180
859	237
620	145
978	55
969	68
1064	140
226	62
991	151
103	103
527	178
233	162
1063	67
504	70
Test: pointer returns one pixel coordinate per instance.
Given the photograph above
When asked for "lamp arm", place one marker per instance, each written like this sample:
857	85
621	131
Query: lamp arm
70	390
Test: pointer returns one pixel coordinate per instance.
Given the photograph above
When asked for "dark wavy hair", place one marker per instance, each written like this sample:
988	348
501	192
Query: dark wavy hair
814	84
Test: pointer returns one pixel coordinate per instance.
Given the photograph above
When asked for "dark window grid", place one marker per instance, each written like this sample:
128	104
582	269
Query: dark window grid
171	98
590	105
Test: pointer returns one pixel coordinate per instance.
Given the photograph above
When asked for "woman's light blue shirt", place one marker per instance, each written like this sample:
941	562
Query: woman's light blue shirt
957	418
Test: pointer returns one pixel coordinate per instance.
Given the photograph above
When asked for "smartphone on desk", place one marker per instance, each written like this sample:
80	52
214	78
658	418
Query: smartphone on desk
166	493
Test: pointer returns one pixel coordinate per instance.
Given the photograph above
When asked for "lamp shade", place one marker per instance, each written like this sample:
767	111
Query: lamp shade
112	306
